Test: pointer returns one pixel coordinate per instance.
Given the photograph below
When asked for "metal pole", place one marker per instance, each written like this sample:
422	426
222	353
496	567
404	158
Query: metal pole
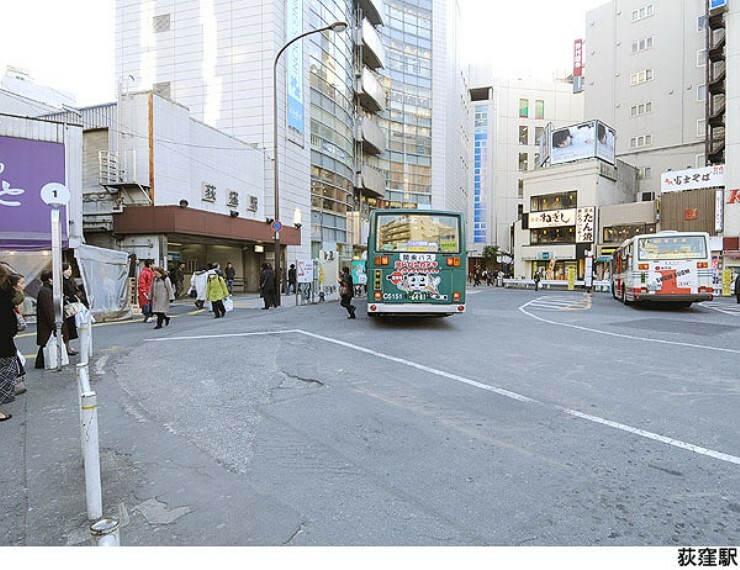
91	450
337	27
56	268
277	170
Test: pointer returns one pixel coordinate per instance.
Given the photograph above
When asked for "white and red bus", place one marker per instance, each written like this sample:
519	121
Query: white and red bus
669	267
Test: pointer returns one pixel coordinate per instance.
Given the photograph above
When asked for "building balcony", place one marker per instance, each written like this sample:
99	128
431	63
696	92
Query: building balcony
373	10
370	182
370	45
370	135
369	91
717	118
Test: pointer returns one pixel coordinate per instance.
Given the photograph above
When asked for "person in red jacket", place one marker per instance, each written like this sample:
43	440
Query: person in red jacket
146	277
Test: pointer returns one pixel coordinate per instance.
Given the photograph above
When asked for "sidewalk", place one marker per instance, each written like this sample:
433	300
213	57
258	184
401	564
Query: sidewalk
43	502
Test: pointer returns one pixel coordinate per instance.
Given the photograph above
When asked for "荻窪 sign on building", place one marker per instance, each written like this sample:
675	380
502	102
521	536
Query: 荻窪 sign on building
693	178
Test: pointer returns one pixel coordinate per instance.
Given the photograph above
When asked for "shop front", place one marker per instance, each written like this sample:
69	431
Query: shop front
170	235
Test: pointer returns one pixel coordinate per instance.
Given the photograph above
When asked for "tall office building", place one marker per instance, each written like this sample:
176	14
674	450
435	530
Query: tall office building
645	76
372	117
508	117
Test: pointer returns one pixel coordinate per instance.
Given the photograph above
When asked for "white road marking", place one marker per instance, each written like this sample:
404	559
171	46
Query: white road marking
627	336
225	335
500	391
732	313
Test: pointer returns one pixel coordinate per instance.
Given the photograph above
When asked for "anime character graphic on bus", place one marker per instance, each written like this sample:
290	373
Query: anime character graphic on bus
418	283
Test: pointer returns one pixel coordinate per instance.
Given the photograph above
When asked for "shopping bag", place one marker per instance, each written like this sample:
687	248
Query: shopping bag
228	304
50	354
209	306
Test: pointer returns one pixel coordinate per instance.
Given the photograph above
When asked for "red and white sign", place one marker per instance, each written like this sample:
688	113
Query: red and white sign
693	178
578	58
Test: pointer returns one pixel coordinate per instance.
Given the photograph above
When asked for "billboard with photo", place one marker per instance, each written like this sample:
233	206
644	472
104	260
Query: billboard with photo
605	142
582	141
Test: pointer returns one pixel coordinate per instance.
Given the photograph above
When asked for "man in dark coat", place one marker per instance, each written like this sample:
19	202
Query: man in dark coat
267	286
45	323
347	292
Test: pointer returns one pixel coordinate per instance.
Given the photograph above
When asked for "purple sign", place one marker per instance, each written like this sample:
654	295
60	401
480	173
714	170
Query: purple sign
25	167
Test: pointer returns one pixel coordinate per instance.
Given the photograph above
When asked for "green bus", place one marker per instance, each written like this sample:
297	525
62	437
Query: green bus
416	263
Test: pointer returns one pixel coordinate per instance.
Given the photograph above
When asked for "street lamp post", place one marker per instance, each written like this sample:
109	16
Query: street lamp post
335	27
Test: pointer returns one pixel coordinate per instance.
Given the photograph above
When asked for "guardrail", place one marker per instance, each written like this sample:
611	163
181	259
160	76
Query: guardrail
602	286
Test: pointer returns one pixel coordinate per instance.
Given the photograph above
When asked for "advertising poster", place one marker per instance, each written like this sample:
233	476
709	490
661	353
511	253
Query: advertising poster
304	270
359	276
573	143
294	77
26	166
605	141
584	140
672	277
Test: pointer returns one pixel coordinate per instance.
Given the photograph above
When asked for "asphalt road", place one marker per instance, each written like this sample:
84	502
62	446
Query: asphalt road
548	418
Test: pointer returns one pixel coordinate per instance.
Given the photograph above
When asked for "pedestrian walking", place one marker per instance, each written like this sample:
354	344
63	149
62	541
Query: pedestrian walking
11	286
69	292
177	278
45	321
737	287
145	284
494	277
230	277
292	277
347	292
198	283
216	292
476	278
267	286
162	294
537	281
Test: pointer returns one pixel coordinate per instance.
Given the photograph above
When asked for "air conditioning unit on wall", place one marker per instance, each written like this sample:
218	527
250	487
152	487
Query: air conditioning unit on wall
647	196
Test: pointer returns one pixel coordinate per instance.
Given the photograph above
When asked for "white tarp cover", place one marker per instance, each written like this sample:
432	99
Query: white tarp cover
105	277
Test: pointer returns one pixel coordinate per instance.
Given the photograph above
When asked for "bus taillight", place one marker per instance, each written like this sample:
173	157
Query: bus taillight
381	260
461	308
453	262
456	296
643	267
373	307
378	295
702	264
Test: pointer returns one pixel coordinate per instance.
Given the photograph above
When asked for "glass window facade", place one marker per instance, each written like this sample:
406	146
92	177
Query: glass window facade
332	110
562	201
480	174
407	35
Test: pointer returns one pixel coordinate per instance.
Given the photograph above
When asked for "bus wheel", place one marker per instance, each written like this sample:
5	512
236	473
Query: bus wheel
624	296
614	291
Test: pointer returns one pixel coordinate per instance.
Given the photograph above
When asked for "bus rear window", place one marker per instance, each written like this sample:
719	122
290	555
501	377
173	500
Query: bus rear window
678	247
426	233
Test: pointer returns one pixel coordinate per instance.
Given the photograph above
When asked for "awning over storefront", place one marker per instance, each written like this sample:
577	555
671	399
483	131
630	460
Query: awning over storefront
176	220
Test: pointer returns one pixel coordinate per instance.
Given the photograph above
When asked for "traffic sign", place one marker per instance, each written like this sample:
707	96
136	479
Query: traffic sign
277	226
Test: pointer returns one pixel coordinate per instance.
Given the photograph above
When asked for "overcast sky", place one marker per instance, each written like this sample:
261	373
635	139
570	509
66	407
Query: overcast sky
69	44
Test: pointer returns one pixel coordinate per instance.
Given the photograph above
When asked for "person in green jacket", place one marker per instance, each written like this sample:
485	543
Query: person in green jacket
216	292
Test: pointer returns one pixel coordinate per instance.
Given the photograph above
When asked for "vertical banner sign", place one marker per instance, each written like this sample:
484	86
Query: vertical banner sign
571	278
294	77
578	66
726	282
578	58
585	224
